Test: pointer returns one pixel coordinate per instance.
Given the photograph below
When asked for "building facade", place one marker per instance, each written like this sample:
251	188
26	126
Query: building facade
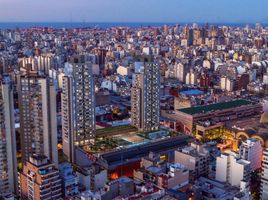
227	84
231	169
219	112
69	180
251	150
194	160
92	178
42	63
40	179
145	97
191	78
38	124
264	175
8	160
78	106
180	70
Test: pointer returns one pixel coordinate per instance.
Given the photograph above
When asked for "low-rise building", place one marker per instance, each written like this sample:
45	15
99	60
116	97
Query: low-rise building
195	158
219	112
123	71
69	180
176	177
148	191
122	187
231	169
205	188
92	178
162	173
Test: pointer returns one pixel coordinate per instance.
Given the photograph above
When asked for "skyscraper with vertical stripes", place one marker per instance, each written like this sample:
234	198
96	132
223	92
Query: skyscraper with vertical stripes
145	96
38	124
8	161
77	106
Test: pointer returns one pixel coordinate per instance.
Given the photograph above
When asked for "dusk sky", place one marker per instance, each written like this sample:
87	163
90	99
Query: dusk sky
238	11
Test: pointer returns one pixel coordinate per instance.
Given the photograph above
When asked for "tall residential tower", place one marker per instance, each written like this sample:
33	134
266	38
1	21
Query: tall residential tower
145	96
8	161
38	124
264	175
78	106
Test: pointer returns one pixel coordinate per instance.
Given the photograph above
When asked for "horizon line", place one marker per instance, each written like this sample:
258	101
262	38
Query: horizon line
137	22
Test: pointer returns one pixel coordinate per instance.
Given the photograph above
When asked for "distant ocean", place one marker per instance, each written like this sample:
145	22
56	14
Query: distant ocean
22	25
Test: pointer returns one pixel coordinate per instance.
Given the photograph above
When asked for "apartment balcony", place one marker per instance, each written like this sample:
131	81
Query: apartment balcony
51	180
44	173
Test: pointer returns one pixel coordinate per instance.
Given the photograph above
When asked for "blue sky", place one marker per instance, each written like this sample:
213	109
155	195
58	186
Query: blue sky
238	11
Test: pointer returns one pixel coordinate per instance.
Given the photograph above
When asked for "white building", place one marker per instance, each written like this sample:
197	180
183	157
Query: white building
251	150
191	78
227	84
265	79
147	50
180	72
42	63
8	161
206	64
264	176
60	78
123	71
231	169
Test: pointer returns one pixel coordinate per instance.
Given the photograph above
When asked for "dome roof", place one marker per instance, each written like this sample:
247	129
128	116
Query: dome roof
264	118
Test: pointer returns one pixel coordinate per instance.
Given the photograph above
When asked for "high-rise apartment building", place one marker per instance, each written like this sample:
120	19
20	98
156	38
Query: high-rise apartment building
3	65
100	56
40	179
145	111
251	150
227	84
78	106
44	63
191	78
8	161
180	71
38	124
41	64
264	175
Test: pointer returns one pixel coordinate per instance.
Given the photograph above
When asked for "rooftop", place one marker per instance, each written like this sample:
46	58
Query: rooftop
243	162
122	180
193	92
215	106
217	189
154	170
123	155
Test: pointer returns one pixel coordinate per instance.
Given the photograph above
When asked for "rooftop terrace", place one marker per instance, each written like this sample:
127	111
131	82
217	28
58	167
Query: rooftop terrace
215	106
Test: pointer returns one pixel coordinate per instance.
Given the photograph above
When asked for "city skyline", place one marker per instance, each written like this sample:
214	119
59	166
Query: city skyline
170	11
133	99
